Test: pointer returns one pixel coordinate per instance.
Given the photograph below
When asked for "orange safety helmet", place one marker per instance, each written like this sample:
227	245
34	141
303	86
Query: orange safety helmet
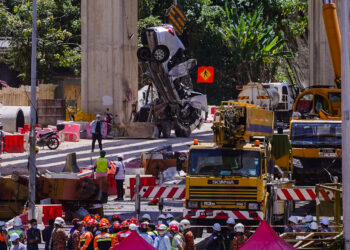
87	218
103	224
106	220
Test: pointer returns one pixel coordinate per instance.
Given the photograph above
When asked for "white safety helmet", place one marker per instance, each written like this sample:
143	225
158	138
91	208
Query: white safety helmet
185	224
146	216
174	222
14	237
120	157
239	228
161	227
230	221
132	227
59	221
17	222
308	218
162	216
217	227
293	219
98	116
170	216
325	221
314	226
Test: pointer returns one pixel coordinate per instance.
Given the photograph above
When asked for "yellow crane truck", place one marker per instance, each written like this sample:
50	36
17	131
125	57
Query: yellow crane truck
233	177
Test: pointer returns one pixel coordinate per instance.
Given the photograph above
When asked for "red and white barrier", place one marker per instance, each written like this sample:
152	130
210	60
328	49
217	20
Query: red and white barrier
211	114
169	192
223	214
303	194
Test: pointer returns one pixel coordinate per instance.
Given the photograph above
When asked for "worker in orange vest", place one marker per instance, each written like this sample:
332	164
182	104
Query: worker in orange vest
3	236
87	238
104	240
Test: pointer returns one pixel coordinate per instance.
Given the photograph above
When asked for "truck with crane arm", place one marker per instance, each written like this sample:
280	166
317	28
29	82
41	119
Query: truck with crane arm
236	175
315	126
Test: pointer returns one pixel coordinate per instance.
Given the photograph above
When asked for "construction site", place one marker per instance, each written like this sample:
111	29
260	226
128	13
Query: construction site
263	169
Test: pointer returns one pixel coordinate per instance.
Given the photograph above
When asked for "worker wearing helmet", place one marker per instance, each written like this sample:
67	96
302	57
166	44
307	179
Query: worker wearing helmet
3	236
162	219
216	241
104	240
87	238
59	236
144	233
115	218
176	238
102	165
169	218
292	222
124	233
116	228
162	241
307	223
313	227
97	132
146	218
18	229
188	235
15	242
76	235
324	225
239	238
230	233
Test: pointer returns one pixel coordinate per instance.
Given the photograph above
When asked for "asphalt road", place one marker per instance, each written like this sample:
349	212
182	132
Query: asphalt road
54	160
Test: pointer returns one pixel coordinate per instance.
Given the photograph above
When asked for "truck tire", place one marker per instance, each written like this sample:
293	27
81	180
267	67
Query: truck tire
166	129
144	54
161	53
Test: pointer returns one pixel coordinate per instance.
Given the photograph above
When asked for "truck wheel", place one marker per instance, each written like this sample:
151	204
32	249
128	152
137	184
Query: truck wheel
161	53
144	54
166	129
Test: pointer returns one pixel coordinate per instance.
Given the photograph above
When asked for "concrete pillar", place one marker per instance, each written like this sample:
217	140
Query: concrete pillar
321	69
109	61
346	118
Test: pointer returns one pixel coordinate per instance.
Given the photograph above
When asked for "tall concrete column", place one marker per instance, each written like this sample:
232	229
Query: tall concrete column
345	56
109	61
321	69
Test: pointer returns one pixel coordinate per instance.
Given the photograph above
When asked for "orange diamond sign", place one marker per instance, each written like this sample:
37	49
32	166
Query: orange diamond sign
205	74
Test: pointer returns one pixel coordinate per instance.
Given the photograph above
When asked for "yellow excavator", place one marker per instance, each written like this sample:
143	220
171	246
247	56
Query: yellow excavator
315	127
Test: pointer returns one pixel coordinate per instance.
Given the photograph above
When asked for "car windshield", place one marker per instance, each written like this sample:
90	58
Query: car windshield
224	162
316	134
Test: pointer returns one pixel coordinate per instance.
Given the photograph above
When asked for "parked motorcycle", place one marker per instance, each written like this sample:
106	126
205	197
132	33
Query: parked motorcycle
50	138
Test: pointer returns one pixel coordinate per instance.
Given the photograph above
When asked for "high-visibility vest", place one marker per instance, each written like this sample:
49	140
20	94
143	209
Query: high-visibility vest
173	244
101	165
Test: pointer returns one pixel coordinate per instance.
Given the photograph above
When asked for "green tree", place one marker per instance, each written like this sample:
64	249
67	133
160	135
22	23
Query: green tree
58	36
254	49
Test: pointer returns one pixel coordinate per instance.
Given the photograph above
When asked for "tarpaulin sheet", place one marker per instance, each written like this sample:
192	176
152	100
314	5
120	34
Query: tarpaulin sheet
266	238
134	241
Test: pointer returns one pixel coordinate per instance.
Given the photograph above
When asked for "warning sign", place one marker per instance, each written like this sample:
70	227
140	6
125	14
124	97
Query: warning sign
205	74
176	18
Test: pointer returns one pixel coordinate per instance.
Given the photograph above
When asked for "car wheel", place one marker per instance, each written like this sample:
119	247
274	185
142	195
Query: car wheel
161	53
144	54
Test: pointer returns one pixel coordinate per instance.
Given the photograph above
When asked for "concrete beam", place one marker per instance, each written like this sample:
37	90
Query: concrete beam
109	61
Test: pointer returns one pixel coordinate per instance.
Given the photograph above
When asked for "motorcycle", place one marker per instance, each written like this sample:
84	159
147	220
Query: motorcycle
50	138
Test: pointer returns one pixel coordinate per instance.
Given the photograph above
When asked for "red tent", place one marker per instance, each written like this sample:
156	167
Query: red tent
135	242
266	238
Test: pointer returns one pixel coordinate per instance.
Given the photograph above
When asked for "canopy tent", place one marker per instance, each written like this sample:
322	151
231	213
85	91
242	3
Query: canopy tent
134	241
266	238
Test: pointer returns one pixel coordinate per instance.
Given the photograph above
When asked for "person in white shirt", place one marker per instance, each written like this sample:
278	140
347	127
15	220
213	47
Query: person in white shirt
120	177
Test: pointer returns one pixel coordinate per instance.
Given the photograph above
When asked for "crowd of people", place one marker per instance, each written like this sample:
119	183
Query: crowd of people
96	233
